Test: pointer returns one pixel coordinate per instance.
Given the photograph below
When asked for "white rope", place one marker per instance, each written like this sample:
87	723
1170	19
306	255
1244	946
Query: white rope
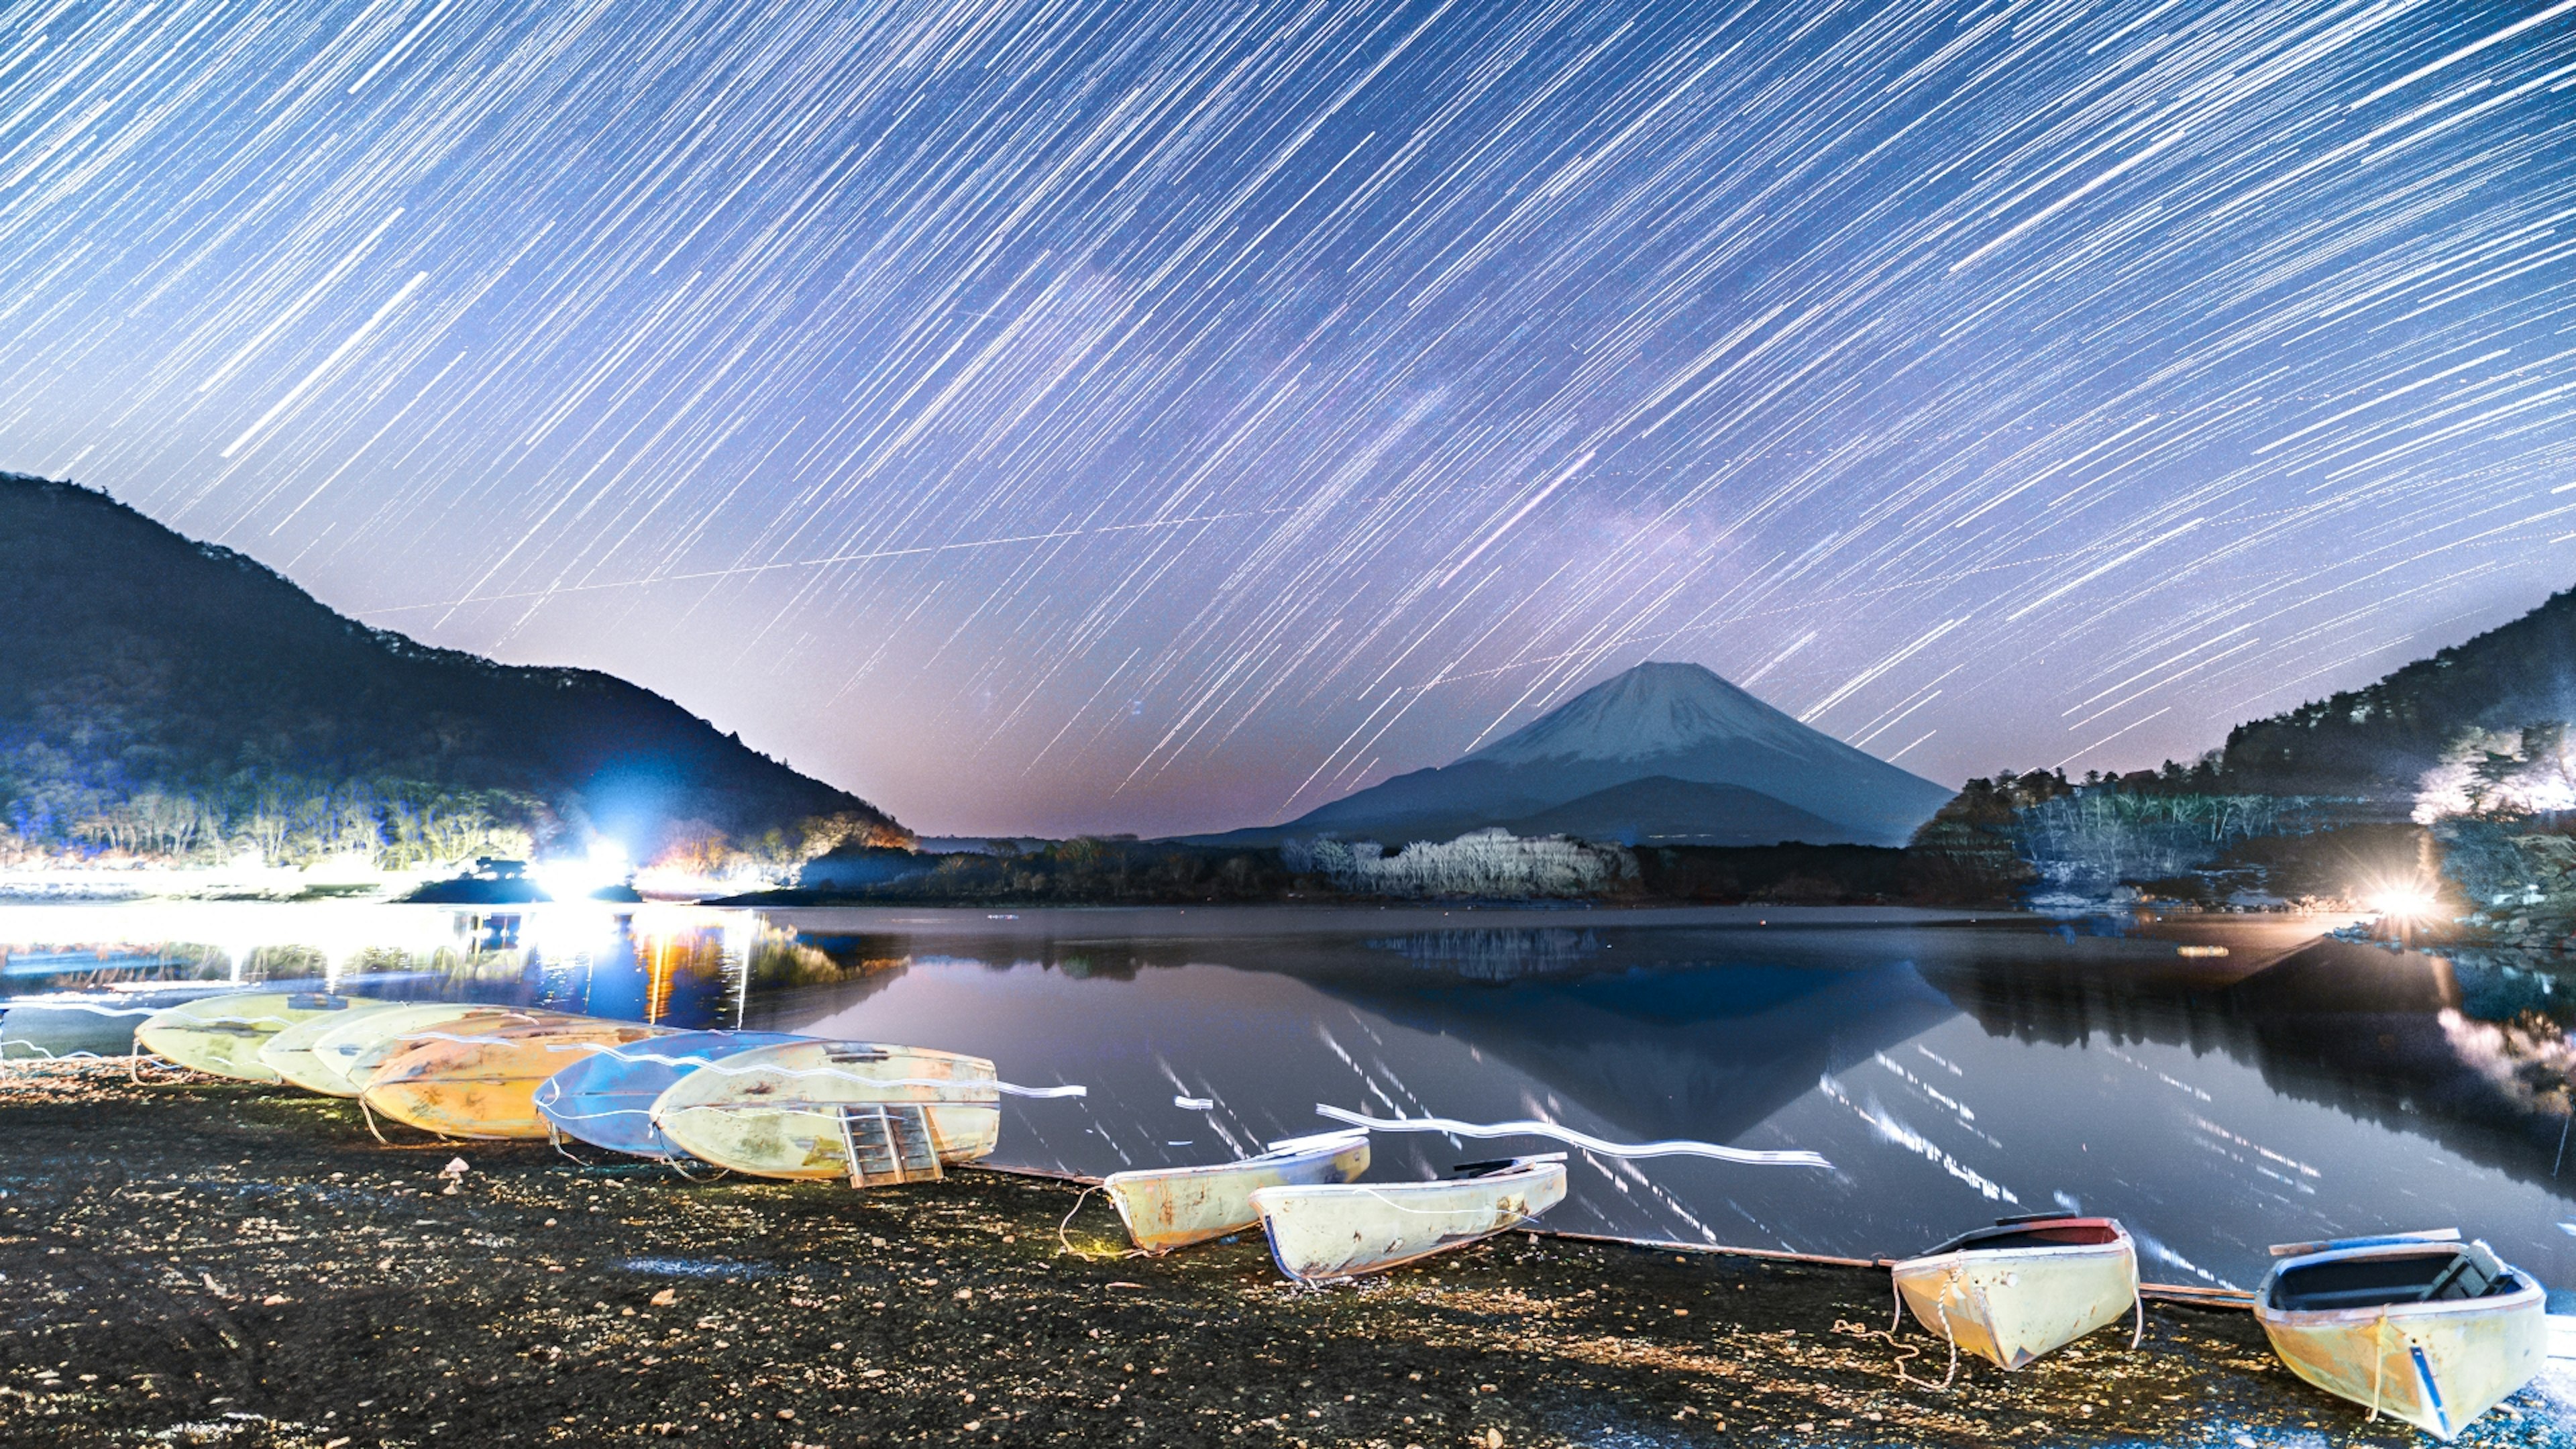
1589	1143
2378	1362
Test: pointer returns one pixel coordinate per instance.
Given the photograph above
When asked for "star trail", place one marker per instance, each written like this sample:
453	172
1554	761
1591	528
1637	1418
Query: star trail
1168	415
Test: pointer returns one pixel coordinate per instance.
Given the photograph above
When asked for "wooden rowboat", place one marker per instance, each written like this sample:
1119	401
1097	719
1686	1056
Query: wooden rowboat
2419	1326
1338	1230
606	1099
872	1112
2014	1291
1172	1207
222	1035
482	1084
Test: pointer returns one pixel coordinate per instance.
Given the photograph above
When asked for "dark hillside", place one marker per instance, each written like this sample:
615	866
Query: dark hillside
175	699
2380	739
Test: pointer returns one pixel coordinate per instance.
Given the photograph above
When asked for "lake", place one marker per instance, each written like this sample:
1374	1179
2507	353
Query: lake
1952	1070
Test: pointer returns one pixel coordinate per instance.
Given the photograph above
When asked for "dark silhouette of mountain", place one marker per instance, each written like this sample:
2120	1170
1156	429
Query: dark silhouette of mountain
176	699
2380	739
1661	810
1662	754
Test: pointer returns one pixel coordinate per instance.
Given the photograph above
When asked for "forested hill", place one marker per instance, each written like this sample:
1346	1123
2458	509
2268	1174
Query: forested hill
165	698
2383	737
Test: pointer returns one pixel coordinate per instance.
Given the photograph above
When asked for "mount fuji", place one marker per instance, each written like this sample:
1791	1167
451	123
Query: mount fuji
1664	754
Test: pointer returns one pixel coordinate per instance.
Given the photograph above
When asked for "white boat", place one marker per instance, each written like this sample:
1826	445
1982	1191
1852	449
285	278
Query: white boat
2014	1291
871	1112
1172	1207
291	1053
1337	1230
222	1035
2419	1326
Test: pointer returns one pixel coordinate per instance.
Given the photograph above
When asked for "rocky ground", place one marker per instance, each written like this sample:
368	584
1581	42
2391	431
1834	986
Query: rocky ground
214	1264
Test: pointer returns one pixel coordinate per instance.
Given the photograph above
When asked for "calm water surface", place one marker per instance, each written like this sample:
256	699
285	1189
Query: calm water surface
2291	1088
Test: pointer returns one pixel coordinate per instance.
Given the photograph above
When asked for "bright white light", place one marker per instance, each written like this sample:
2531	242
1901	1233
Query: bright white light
2402	902
573	880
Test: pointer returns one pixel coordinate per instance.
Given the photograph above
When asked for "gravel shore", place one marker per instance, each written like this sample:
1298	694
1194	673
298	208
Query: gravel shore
204	1263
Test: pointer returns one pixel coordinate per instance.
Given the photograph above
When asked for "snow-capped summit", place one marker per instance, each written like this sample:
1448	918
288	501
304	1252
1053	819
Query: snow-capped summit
1662	754
1653	709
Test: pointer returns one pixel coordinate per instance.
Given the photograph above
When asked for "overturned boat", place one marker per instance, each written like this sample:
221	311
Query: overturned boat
2014	1291
606	1098
1338	1230
872	1112
1172	1207
222	1036
2416	1325
333	1060
481	1084
294	1052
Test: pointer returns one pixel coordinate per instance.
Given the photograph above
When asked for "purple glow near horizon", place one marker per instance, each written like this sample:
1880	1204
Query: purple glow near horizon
1165	416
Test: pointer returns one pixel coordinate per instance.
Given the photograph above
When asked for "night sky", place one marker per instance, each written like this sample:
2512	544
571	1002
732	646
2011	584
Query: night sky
1164	416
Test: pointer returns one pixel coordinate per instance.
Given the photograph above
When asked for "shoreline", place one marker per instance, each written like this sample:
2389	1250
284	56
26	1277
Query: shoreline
244	1265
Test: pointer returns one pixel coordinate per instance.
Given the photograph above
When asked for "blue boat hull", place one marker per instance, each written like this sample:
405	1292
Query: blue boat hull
606	1099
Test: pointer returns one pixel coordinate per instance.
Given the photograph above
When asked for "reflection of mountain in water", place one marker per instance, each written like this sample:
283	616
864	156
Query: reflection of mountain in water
1705	1051
1505	955
2374	1033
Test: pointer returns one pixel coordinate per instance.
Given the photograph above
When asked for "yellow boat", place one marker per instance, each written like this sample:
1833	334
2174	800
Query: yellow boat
222	1035
2419	1326
868	1111
1173	1207
290	1053
1336	1230
482	1084
2014	1291
335	1063
361	1069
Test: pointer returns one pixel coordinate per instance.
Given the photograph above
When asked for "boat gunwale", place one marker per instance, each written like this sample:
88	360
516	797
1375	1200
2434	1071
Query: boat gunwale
1521	1168
1317	1153
2529	1288
2120	1246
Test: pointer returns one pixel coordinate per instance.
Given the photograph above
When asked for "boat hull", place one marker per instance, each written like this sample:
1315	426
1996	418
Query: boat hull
291	1053
1171	1208
606	1099
222	1035
336	1062
2010	1306
2437	1365
777	1111
482	1085
1342	1230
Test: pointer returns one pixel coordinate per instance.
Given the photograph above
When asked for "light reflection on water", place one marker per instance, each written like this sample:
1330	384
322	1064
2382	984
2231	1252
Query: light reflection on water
1953	1073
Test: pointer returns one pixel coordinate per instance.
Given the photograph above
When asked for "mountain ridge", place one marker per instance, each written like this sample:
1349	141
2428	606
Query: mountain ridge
2380	738
1758	776
163	697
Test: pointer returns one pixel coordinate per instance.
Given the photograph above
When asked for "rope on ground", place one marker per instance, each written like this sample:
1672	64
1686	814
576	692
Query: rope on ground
1905	1352
379	1135
1067	1242
134	1072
